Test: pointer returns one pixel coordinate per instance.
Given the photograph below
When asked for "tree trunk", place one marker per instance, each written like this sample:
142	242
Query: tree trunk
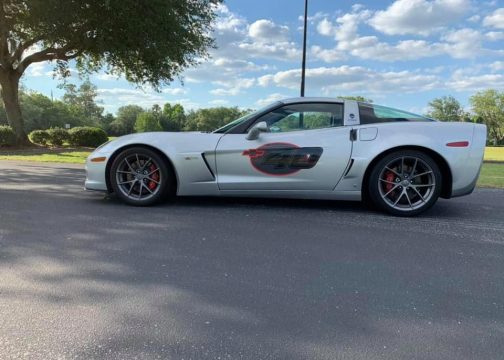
9	81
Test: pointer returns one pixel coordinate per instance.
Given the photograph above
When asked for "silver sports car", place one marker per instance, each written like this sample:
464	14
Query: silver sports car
312	148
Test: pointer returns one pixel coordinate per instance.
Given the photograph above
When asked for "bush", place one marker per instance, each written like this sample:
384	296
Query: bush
40	137
87	136
7	136
58	136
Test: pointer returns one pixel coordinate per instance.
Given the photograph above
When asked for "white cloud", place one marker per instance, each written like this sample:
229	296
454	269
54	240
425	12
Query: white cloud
270	99
228	21
348	41
335	80
222	69
474	18
497	65
219	102
232	87
494	35
418	17
37	69
123	96
326	28
331	81
460	81
238	41
238	64
314	18
461	43
107	77
496	19
144	98
327	55
369	47
285	51
174	91
266	31
468	43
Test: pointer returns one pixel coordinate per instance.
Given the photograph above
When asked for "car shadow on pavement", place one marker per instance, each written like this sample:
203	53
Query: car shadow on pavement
239	278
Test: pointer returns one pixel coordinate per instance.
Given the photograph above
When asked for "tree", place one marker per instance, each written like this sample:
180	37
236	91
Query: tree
174	117
146	41
106	121
40	112
125	120
82	102
147	121
212	118
446	108
357	98
488	106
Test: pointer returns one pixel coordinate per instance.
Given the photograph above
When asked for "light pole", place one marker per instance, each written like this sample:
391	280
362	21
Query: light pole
303	66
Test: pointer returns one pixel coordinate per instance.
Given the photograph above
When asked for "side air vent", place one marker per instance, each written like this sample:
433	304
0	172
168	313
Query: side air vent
207	165
349	167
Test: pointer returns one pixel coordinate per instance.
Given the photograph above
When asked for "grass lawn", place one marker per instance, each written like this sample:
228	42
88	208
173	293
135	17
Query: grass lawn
494	153
58	155
492	175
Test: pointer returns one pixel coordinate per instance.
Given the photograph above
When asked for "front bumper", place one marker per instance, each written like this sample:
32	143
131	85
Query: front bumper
95	174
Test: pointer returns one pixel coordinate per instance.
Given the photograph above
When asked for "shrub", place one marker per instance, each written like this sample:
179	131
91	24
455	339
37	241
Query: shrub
40	137
87	136
7	136
57	136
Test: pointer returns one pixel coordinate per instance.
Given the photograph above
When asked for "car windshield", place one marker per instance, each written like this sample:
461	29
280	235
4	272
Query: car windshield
243	119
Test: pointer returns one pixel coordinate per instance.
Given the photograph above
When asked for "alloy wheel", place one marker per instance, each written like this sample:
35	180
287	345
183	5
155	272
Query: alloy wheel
138	177
406	183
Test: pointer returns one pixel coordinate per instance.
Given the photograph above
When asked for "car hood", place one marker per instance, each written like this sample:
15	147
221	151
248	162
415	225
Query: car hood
166	141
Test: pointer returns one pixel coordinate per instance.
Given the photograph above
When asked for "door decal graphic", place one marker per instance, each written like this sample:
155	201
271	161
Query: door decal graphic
281	159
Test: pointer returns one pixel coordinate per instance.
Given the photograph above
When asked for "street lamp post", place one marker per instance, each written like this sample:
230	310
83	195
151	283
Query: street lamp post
303	66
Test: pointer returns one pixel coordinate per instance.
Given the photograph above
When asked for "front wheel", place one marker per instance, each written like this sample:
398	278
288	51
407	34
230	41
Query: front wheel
405	183
141	177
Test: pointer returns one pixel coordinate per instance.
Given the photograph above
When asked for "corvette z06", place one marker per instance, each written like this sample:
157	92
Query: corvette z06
312	148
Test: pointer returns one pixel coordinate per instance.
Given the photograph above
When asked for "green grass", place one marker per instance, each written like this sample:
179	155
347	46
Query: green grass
74	156
492	175
494	153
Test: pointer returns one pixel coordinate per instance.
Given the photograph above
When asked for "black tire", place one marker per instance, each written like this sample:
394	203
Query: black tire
405	183
135	181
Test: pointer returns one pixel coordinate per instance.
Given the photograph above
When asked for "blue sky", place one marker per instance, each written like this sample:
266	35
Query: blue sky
400	53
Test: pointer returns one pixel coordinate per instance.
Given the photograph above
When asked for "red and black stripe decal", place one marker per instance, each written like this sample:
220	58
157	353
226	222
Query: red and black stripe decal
281	159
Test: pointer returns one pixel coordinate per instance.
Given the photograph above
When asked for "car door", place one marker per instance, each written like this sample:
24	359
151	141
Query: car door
306	147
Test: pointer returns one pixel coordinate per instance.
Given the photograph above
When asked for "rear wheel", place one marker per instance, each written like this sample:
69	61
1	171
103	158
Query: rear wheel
405	183
139	176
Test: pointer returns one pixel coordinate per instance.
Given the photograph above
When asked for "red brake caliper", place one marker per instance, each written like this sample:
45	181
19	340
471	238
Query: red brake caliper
389	176
155	176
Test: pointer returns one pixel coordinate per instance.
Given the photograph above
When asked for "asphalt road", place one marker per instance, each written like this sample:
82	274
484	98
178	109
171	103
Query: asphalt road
83	276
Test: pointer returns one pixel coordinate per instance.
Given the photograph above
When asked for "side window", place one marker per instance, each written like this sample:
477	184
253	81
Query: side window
304	117
372	114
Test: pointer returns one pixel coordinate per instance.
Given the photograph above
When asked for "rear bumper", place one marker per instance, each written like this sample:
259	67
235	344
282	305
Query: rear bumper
470	168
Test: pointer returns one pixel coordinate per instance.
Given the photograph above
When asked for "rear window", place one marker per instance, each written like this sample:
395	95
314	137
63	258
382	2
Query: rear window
371	114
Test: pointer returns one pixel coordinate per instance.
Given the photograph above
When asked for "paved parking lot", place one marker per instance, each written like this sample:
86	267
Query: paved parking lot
83	276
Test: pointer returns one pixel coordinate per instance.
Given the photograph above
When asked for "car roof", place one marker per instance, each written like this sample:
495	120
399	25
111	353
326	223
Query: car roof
311	99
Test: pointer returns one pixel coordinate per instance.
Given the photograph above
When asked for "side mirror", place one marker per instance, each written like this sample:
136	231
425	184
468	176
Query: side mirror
257	129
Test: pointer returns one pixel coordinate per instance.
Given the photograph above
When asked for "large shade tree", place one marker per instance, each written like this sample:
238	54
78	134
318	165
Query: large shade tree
488	107
146	41
446	108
